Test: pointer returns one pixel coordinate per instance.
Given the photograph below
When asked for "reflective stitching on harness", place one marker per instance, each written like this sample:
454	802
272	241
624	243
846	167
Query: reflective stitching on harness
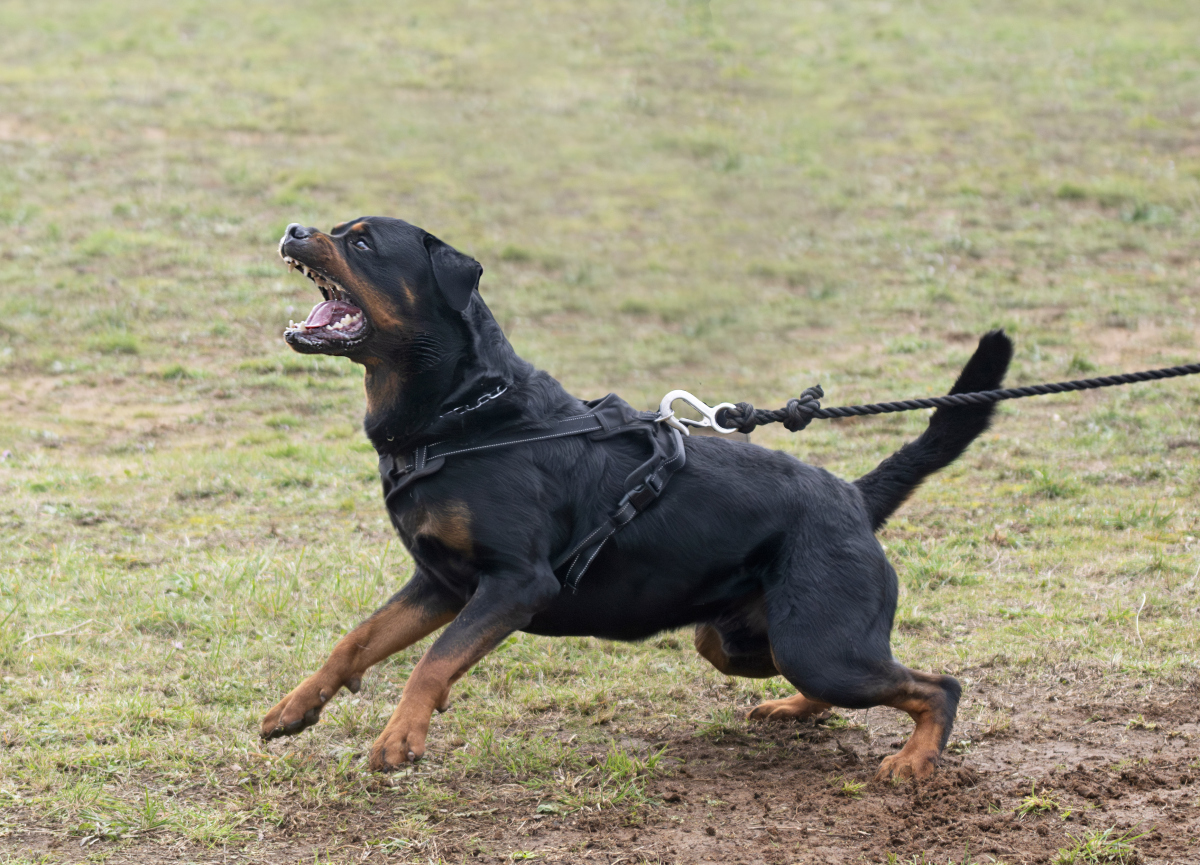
574	584
583	544
519	441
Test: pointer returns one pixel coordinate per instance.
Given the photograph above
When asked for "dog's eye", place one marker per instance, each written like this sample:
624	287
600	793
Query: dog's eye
361	244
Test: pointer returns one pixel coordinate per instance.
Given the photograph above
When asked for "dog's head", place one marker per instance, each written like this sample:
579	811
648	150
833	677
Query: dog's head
388	286
405	305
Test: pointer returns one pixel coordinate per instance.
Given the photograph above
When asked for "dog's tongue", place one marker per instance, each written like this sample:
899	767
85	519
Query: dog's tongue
321	315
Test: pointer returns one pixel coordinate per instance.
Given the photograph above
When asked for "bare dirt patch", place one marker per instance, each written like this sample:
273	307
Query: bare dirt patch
1096	759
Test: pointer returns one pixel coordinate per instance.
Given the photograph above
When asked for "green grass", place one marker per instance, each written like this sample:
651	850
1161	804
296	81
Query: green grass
1108	847
847	788
740	199
1039	803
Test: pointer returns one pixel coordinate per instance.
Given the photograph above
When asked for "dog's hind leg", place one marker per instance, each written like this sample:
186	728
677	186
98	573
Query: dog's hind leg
736	648
416	611
736	642
830	634
734	657
931	700
795	708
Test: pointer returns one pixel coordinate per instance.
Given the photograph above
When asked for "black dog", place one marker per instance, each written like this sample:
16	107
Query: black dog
774	561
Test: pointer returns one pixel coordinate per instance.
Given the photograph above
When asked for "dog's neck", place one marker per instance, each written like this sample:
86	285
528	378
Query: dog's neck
411	401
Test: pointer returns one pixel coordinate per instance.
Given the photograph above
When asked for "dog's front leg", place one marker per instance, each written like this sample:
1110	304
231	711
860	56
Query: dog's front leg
416	611
502	604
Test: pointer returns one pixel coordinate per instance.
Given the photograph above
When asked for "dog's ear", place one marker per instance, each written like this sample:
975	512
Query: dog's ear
457	275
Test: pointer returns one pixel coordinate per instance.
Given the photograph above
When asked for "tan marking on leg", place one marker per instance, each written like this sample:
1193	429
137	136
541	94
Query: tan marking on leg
428	688
926	703
395	627
795	708
708	643
711	646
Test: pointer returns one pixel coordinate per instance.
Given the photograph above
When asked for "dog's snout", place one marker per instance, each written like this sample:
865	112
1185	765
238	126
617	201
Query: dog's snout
296	231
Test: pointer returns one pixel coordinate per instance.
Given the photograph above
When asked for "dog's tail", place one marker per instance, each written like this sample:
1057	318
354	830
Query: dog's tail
950	431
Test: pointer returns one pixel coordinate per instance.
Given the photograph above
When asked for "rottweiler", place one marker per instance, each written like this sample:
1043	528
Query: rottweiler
775	562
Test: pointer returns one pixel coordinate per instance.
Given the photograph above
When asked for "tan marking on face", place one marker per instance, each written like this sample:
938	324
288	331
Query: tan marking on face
359	226
379	307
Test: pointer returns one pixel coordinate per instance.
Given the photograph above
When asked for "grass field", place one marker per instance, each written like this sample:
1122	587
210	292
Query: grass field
741	199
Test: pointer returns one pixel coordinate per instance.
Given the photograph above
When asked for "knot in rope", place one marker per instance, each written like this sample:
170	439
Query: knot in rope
795	416
800	412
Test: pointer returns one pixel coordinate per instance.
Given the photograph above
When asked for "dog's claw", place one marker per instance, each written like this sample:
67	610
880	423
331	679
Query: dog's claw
402	741
307	699
915	766
310	718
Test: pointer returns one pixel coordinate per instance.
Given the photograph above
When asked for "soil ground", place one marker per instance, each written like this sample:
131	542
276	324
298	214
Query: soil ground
742	198
1104	755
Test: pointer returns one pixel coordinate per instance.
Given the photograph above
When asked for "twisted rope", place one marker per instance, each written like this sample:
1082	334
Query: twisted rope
798	413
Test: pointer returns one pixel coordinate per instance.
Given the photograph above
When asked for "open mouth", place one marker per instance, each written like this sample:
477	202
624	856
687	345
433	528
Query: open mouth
334	325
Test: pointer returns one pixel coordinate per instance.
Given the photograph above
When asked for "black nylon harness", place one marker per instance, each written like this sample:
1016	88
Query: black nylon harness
605	418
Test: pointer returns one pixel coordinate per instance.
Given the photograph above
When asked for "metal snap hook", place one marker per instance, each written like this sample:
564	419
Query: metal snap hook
667	415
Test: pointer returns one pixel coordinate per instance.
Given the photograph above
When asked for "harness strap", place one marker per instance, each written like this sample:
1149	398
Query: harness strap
607	417
427	459
636	500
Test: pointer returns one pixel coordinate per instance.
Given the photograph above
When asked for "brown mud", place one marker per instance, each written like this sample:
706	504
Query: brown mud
1107	755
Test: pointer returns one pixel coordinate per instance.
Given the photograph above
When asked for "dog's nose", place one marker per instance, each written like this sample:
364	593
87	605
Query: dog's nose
296	231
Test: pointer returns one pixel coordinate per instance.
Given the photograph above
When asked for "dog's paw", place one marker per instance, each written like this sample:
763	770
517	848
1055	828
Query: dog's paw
401	742
300	709
917	765
795	708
